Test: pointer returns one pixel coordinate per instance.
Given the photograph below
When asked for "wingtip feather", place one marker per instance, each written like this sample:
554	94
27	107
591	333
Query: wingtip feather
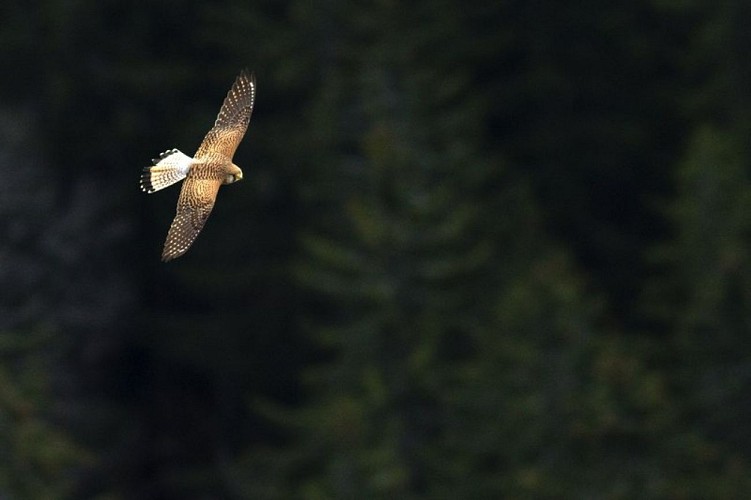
246	74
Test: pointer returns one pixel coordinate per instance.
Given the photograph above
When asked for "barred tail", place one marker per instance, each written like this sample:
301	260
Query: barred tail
172	166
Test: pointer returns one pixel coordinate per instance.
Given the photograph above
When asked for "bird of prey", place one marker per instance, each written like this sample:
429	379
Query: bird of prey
210	168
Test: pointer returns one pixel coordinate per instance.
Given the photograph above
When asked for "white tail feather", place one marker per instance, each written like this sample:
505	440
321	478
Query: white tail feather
172	166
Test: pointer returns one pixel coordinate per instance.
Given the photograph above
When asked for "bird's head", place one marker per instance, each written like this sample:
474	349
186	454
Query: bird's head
234	174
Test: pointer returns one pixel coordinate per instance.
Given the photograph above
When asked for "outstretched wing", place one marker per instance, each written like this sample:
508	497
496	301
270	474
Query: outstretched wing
233	118
193	208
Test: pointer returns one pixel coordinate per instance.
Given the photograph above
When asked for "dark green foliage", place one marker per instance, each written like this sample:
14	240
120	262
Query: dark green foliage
39	456
703	297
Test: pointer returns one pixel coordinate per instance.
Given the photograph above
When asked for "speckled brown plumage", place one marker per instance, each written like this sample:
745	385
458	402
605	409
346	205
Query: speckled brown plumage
193	208
233	118
210	168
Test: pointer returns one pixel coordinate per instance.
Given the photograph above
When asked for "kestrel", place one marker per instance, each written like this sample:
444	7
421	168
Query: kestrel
210	168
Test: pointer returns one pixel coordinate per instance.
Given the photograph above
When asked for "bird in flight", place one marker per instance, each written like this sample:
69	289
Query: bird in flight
210	168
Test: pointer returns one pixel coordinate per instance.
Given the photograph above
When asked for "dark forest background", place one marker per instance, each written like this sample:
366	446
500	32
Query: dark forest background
491	249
